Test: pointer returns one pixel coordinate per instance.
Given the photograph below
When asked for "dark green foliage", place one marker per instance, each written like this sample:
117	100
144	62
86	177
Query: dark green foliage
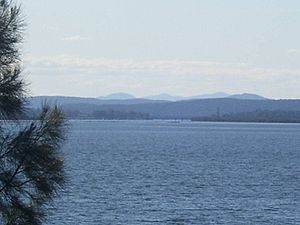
11	26
11	93
11	85
31	168
31	165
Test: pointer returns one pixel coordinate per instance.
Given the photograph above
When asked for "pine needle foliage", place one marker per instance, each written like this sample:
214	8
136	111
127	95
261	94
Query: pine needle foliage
31	164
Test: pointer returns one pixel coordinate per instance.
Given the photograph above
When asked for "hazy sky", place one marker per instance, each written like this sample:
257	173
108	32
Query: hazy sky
145	47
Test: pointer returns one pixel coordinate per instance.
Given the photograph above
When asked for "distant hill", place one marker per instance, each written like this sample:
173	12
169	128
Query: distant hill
187	109
205	107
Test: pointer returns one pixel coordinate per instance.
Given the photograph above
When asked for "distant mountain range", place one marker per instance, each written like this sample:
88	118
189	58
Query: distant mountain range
127	99
95	108
168	97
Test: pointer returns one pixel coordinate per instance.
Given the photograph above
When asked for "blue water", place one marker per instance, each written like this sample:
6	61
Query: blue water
160	172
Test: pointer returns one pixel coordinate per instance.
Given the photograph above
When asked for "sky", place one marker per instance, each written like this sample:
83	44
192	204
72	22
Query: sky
145	47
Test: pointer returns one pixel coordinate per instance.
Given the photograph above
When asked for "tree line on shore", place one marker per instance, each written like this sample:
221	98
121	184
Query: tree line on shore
276	116
271	116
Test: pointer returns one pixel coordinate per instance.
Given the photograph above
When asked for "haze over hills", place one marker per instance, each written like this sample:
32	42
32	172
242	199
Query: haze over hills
168	97
37	101
165	96
117	96
213	95
247	96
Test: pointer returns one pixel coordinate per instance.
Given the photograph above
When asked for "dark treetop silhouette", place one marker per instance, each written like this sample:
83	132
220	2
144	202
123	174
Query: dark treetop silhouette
31	166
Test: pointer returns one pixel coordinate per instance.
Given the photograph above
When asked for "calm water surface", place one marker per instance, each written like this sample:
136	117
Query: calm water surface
160	172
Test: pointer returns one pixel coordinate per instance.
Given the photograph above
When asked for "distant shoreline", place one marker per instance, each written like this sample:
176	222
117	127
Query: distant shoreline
245	121
178	121
169	120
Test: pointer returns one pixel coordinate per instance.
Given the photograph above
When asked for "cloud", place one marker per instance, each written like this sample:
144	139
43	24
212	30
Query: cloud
293	51
75	38
75	75
162	67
